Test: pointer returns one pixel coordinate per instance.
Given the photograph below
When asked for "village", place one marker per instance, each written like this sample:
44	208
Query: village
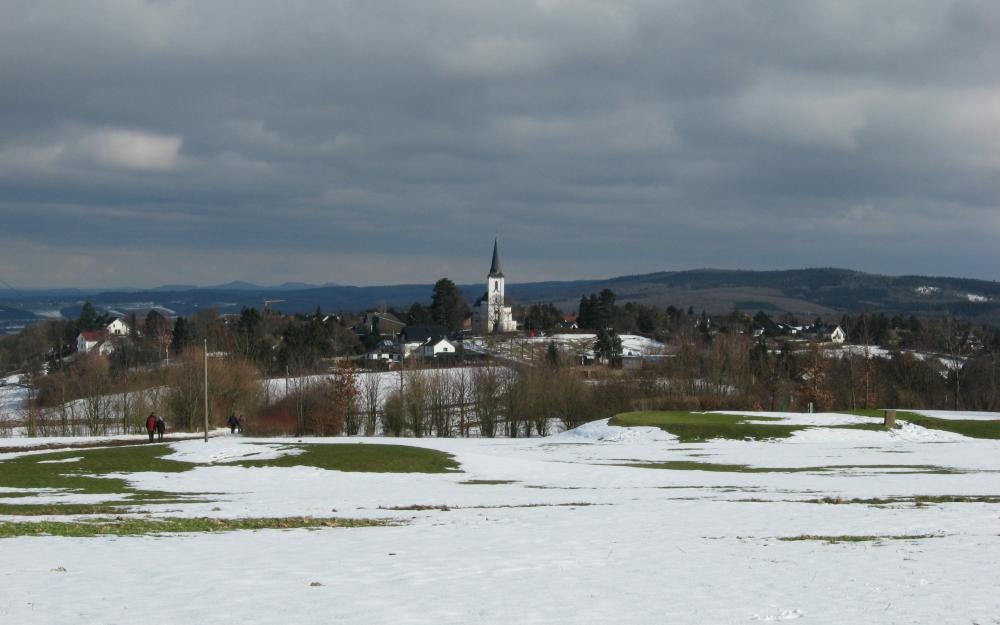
494	368
388	339
499	313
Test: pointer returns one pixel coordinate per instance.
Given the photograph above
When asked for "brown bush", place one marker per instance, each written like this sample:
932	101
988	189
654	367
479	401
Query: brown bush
234	387
276	419
311	408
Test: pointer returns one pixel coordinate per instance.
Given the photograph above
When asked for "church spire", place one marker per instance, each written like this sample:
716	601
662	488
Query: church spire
495	271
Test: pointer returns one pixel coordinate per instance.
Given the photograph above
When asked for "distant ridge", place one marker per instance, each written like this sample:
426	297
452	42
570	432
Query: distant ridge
823	291
239	285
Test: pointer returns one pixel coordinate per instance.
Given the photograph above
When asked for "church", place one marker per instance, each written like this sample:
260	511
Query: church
489	315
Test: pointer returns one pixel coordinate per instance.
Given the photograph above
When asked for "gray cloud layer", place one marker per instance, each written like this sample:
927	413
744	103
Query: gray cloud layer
375	142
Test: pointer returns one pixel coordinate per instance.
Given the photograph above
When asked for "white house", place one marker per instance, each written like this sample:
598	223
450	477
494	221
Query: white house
118	328
89	342
425	341
838	336
433	348
489	314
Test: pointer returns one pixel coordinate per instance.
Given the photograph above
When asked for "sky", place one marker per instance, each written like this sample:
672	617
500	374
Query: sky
376	142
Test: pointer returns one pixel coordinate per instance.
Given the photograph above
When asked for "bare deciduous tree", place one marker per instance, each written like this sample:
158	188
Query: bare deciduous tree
370	384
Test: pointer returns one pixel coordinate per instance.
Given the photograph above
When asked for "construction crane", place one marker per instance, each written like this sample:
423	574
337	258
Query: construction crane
268	302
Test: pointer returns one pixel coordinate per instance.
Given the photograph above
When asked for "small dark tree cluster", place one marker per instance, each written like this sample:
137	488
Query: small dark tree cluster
542	318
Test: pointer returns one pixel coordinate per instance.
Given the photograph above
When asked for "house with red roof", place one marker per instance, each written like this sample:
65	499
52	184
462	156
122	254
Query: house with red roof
89	342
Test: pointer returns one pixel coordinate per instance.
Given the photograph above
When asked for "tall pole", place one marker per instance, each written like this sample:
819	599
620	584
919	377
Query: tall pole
402	395
206	390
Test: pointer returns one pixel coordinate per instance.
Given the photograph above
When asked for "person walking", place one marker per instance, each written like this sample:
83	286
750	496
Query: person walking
161	427
233	423
151	426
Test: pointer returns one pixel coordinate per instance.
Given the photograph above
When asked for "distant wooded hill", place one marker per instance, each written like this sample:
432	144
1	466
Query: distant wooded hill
807	292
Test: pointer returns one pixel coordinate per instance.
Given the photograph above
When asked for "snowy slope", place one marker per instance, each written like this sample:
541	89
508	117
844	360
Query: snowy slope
653	546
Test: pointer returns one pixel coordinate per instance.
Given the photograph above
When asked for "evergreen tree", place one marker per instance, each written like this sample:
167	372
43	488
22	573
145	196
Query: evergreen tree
543	317
155	325
304	343
763	322
608	346
598	311
89	320
248	332
648	319
704	325
585	314
607	311
419	315
552	355
448	307
183	335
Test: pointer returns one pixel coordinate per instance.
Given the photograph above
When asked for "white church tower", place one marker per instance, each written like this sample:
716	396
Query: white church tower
490	315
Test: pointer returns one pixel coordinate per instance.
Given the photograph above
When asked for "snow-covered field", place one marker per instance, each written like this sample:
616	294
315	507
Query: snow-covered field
875	351
385	382
570	536
573	345
12	394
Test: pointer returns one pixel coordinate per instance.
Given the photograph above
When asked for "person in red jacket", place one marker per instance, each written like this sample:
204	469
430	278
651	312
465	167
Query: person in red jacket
151	426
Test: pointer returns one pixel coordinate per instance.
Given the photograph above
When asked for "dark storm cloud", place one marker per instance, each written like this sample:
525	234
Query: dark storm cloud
365	142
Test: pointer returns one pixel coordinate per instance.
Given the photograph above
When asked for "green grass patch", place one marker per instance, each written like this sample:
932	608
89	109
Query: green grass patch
446	508
918	500
87	475
365	458
93	472
692	427
966	427
955	499
488	482
60	509
694	465
870	427
858	539
171	525
417	507
123	506
90	474
158	497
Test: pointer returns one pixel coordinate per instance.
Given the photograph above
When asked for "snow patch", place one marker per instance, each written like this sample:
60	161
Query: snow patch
926	290
221	449
972	297
601	432
820	419
75	459
960	415
781	615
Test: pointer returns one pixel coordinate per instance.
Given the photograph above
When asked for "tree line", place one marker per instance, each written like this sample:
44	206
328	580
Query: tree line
261	362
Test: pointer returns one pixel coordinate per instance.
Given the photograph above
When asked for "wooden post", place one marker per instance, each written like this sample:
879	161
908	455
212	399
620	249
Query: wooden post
889	417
